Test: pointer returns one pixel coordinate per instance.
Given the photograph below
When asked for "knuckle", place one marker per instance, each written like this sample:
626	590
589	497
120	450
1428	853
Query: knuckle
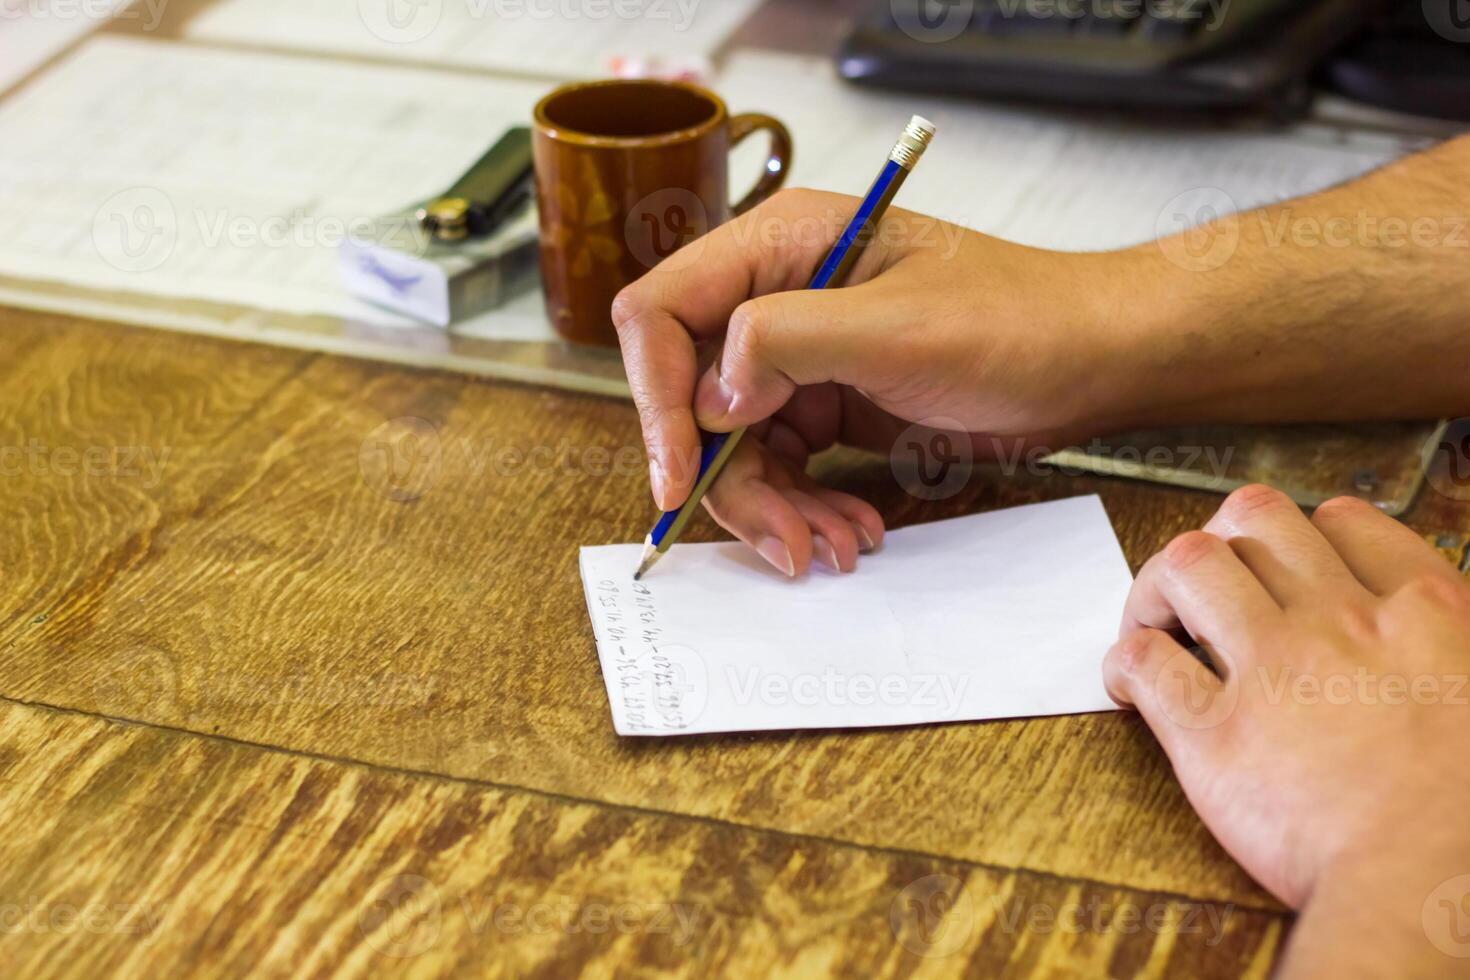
626	306
1340	508
1359	621
1190	548
661	422
748	326
1254	498
1131	653
655	416
1431	589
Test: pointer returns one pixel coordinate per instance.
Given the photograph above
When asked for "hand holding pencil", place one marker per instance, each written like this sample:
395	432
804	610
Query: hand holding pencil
931	321
717	447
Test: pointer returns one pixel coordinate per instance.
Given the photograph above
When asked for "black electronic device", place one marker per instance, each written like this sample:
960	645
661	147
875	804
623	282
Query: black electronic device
1140	54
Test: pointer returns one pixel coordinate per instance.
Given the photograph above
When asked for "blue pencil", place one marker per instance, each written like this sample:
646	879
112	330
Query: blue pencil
716	447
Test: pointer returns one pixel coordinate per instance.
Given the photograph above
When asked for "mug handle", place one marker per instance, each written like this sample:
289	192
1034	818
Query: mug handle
773	175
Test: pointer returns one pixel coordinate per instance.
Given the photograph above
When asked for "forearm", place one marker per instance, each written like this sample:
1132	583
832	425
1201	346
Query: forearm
1350	304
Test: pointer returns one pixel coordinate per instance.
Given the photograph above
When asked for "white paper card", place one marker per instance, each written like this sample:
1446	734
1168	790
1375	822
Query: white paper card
1000	615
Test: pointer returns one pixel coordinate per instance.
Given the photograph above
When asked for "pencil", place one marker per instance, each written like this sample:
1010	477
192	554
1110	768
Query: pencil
716	447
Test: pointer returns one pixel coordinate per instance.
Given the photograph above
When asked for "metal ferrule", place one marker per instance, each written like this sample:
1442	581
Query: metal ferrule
910	145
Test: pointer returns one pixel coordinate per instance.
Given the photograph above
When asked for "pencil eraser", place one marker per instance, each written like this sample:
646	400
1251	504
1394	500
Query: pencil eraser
923	124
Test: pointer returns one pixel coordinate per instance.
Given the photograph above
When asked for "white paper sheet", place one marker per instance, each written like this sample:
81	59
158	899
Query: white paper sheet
31	31
552	38
1000	615
1038	178
183	171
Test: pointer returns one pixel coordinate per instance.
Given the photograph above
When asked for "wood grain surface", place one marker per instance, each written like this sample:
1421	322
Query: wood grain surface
279	627
153	852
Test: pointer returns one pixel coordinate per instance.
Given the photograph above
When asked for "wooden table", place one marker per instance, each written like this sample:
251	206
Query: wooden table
273	705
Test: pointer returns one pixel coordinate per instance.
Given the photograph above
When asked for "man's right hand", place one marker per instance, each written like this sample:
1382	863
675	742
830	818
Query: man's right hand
935	322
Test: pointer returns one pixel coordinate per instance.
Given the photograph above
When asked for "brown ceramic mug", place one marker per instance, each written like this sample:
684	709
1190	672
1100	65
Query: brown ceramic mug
626	173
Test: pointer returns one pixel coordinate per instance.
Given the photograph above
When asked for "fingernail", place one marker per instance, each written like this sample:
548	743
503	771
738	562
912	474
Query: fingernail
865	540
823	552
774	550
658	482
714	399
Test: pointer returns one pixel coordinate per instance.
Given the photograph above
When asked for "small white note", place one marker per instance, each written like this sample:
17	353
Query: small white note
1000	615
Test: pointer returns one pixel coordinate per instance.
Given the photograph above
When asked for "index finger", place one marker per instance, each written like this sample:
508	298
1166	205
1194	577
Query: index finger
662	364
1199	583
690	296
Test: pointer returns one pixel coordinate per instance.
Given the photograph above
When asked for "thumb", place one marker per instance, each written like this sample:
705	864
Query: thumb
775	343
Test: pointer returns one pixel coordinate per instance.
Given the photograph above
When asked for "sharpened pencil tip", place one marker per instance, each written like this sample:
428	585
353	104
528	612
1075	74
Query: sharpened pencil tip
650	555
